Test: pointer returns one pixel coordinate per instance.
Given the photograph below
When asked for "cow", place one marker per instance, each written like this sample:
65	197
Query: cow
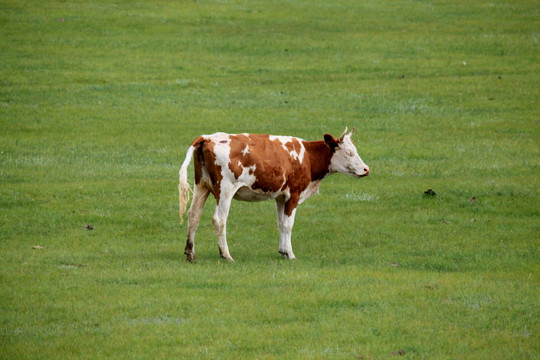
251	167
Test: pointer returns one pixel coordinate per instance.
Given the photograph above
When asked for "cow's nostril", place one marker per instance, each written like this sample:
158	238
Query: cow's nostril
366	170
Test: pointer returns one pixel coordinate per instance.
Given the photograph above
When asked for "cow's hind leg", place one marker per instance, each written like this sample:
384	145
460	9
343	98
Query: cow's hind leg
285	225
220	222
200	194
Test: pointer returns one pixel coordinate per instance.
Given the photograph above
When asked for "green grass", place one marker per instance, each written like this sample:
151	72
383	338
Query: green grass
100	100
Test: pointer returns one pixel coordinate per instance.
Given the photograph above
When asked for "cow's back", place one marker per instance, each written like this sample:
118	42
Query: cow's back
263	163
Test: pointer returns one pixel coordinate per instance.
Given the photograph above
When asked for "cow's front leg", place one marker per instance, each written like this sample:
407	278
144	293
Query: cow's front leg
220	224
285	225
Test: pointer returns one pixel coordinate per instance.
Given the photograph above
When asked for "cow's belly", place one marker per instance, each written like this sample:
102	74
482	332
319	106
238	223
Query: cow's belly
245	193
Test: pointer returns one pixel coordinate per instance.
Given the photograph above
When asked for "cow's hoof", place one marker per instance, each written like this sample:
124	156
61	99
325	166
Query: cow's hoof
190	256
227	257
287	255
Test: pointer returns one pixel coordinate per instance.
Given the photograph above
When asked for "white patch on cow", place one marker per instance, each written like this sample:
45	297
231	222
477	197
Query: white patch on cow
222	149
288	139
245	151
346	159
312	189
247	176
218	137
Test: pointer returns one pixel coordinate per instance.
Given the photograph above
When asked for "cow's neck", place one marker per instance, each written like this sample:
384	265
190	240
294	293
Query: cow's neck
319	155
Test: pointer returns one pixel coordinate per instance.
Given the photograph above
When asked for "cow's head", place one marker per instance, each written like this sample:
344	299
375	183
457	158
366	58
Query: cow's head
345	158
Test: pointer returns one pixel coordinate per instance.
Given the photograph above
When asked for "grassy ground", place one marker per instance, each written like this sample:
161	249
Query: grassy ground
99	101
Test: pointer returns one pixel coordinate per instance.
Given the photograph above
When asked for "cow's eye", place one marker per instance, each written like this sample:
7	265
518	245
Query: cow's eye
350	153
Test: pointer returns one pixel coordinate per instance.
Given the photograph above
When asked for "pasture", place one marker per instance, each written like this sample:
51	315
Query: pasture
99	101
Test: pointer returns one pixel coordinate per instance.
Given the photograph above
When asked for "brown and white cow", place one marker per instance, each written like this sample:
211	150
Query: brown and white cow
253	167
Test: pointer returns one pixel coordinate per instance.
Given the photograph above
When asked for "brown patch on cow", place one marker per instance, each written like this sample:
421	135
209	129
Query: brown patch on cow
319	155
197	141
238	159
275	169
206	169
284	172
296	145
289	145
331	141
197	144
292	203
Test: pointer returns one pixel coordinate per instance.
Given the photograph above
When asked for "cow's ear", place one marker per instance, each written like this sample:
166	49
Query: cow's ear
330	141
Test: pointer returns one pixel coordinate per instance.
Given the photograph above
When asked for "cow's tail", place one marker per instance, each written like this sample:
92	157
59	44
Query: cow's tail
183	187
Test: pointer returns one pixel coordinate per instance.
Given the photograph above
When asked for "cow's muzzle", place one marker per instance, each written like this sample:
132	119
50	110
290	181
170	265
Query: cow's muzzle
365	173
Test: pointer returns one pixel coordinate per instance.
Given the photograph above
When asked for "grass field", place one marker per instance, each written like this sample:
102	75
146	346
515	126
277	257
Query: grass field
99	101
